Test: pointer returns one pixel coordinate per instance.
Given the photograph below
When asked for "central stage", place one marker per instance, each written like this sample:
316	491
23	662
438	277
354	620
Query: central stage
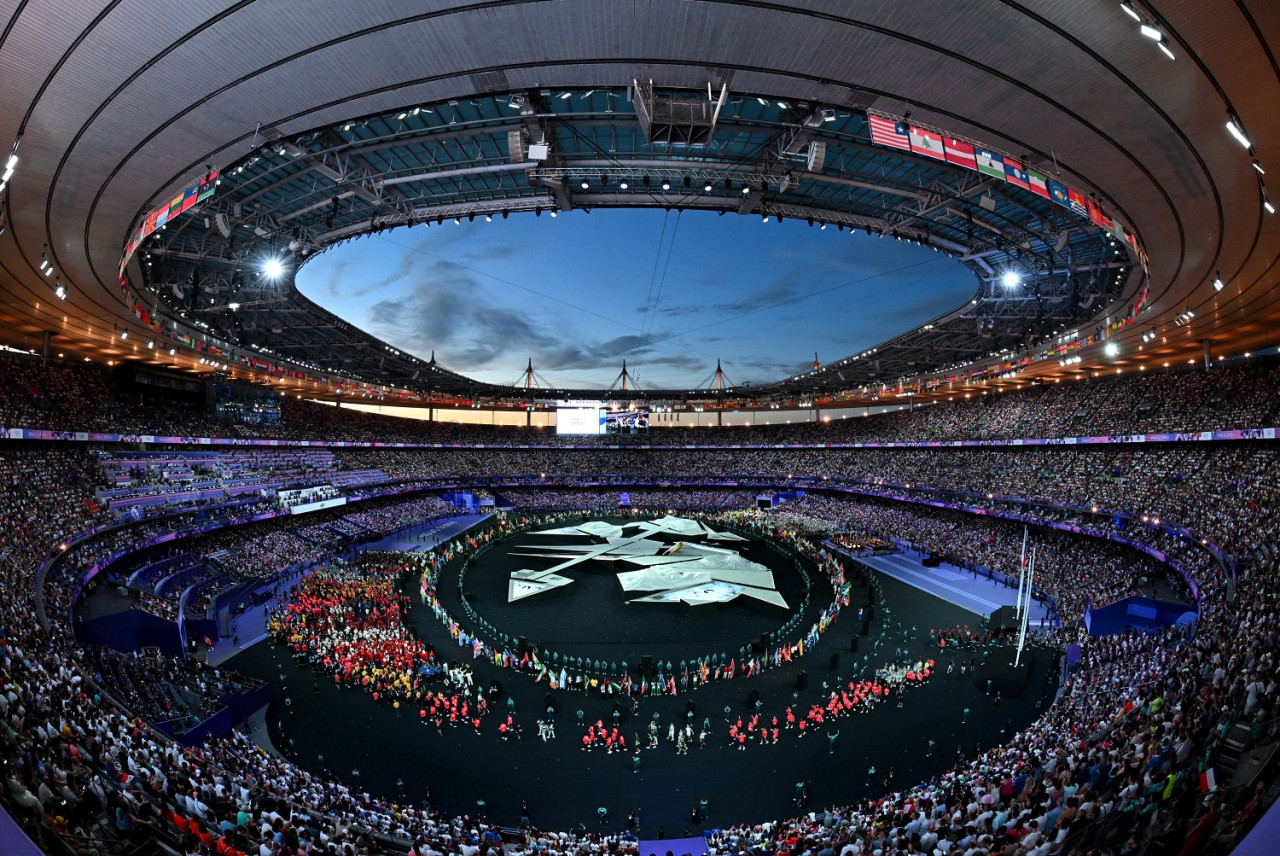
595	617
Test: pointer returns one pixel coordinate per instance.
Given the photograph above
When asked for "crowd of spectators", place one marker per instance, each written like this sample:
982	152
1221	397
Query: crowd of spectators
1118	756
61	396
162	689
1072	568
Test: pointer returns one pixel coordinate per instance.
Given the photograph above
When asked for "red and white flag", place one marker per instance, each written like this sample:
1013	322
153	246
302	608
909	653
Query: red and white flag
960	153
886	133
927	143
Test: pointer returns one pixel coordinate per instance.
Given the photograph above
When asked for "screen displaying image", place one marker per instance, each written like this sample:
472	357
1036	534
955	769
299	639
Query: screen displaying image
626	422
579	420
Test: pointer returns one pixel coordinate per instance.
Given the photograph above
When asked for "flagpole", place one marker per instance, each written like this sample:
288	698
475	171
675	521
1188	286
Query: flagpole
1022	636
1022	572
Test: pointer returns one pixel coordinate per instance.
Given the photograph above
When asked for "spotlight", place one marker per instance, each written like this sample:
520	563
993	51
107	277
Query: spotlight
1130	11
1111	349
623	184
1151	32
1011	279
666	185
585	184
1164	49
746	189
707	187
1267	206
1218	284
273	268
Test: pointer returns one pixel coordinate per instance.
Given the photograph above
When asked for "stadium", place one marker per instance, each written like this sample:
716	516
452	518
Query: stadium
411	442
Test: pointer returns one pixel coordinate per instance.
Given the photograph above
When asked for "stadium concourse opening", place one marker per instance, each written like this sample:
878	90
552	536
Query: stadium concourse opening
863	699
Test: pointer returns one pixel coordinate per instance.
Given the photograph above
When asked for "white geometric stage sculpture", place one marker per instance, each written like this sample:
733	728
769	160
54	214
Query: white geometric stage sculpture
683	572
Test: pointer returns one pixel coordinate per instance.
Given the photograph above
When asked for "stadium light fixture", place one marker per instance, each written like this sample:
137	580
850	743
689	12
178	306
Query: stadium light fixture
1233	126
1166	50
1011	279
273	268
1111	349
1218	284
1267	206
1130	11
1151	32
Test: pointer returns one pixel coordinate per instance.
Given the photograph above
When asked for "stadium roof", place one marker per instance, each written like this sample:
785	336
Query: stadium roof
214	136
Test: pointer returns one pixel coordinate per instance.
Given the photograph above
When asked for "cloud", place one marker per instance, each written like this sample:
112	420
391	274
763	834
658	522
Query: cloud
451	311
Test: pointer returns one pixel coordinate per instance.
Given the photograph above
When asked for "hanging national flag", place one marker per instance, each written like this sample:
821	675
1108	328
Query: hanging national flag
959	153
189	198
207	186
1038	183
1076	202
1098	218
886	133
1016	175
989	163
1058	193
927	143
1117	229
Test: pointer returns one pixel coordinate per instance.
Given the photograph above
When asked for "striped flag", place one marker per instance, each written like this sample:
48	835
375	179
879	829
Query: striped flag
959	153
207	186
885	132
1209	780
1016	175
1076	202
926	143
989	163
189	198
1038	183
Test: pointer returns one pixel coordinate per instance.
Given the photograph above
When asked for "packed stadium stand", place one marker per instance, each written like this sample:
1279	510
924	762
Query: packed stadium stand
999	578
1120	751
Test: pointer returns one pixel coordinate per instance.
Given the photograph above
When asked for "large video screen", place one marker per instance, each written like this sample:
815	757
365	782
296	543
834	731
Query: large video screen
579	420
626	422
